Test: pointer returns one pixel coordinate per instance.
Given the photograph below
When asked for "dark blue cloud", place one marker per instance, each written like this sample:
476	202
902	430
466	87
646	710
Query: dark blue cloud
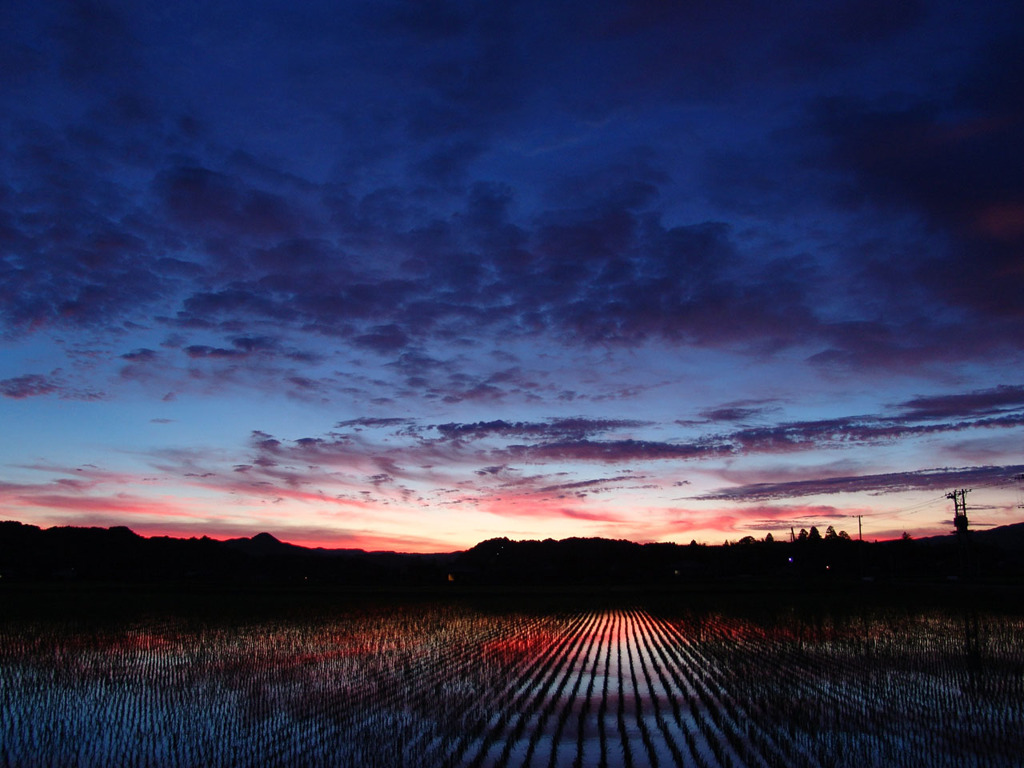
893	482
978	404
552	429
28	385
197	351
55	383
220	205
392	177
141	355
948	155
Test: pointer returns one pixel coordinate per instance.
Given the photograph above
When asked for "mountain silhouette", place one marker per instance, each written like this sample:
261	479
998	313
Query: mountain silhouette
118	554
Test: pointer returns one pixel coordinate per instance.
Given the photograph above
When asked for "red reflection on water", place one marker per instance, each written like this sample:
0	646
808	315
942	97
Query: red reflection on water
516	647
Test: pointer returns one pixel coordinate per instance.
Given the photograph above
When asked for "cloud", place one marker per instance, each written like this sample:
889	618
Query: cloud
894	482
383	339
606	272
553	428
370	422
987	402
998	408
211	203
420	236
947	156
141	355
36	385
581	488
71	492
481	458
200	351
734	412
29	385
610	451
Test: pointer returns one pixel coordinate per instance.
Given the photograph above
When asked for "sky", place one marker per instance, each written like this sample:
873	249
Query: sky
413	275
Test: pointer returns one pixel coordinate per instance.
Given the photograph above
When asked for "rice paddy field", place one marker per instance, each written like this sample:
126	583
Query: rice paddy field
382	680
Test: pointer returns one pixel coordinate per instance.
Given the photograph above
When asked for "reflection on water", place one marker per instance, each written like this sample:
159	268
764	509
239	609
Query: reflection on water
433	685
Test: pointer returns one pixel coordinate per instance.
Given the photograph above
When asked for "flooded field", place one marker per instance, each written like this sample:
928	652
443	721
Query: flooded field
456	683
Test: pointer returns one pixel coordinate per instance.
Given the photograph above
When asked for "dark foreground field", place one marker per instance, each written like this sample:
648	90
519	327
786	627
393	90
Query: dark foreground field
93	676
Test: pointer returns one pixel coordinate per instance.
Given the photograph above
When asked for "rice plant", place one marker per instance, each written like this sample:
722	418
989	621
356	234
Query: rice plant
446	684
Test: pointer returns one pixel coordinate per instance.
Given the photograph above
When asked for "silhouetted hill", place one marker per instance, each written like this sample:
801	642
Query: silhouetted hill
117	554
28	552
1009	538
262	545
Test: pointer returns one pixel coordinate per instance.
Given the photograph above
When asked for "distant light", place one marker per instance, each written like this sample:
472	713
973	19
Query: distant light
791	559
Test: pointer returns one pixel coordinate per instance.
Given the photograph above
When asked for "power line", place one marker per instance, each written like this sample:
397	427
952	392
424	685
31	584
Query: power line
912	509
922	506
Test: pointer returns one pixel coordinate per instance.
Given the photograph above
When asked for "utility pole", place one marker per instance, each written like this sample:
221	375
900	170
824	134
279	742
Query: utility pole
959	510
959	498
860	545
